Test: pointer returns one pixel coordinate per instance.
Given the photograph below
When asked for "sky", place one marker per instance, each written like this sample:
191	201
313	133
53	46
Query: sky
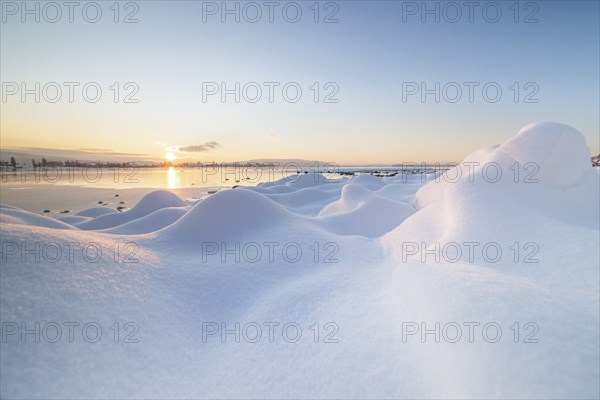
368	73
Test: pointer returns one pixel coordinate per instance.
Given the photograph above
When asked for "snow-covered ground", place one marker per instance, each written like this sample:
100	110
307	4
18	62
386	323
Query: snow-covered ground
482	282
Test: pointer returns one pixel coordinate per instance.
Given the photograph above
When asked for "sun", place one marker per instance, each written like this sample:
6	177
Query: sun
170	157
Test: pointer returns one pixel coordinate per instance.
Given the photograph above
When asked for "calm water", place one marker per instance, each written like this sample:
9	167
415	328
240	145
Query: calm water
167	178
159	178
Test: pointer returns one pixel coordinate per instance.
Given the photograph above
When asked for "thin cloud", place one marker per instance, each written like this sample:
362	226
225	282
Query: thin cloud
198	148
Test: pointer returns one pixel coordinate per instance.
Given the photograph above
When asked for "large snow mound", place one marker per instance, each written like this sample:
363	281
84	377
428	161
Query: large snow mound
558	150
551	154
522	203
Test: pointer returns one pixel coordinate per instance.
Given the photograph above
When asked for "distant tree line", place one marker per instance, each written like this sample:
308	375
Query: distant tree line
68	164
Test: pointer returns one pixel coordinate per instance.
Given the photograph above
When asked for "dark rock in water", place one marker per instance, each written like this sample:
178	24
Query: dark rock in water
213	191
100	202
120	208
116	195
235	186
121	202
64	212
46	211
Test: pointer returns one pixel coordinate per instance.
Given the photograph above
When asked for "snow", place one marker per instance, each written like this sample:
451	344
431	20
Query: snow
96	212
152	222
370	289
549	145
361	212
13	215
73	219
151	202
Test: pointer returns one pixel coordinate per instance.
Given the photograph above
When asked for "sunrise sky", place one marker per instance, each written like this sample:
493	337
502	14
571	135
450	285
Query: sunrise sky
368	54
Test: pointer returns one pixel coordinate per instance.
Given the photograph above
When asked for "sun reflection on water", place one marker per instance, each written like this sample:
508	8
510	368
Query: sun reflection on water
171	178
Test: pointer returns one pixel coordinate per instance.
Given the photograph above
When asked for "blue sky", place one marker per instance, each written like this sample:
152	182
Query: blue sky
369	55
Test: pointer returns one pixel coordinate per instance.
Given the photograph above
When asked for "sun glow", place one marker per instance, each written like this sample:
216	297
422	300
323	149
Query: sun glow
170	157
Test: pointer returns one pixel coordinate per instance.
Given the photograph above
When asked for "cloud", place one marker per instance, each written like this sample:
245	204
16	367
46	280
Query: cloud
273	136
198	148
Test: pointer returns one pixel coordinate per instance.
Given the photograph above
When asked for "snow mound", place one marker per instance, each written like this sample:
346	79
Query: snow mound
270	189
500	209
95	212
559	151
353	195
306	180
552	154
149	223
361	212
369	181
404	192
72	219
306	201
14	215
434	189
149	203
371	218
228	215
